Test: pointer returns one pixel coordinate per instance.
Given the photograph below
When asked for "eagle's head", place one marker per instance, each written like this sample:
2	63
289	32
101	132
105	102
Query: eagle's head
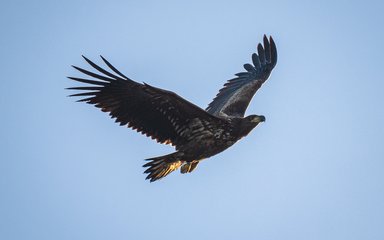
248	123
255	119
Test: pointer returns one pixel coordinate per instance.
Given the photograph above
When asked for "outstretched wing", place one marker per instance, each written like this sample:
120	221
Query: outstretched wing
233	99
157	113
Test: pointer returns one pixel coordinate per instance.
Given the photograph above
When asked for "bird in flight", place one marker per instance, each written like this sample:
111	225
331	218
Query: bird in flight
166	117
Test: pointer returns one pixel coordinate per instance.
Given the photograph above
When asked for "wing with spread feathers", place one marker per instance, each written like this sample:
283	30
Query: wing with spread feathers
233	99
157	113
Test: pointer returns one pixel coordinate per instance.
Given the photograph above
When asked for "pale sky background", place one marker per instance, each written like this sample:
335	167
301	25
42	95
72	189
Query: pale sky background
313	170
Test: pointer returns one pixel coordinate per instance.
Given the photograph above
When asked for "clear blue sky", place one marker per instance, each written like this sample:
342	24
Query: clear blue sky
313	170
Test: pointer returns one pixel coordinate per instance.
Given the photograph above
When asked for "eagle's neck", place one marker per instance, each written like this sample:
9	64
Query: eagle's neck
241	127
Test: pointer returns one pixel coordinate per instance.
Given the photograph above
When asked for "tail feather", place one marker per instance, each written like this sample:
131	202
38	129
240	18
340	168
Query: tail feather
159	167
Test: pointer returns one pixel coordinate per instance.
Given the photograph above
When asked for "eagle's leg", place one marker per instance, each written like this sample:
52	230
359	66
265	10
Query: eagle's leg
188	167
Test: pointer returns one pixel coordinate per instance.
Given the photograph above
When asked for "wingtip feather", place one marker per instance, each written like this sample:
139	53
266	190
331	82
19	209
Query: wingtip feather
267	49
113	68
273	51
260	51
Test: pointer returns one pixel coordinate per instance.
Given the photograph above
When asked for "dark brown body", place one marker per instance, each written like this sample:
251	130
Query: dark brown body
170	119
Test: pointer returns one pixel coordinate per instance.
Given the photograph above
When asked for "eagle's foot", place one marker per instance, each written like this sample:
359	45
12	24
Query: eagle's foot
188	167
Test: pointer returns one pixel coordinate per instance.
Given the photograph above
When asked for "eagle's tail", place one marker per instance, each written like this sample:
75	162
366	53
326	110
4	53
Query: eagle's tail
159	167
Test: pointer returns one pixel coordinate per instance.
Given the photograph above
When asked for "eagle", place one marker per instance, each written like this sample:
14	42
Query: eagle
166	117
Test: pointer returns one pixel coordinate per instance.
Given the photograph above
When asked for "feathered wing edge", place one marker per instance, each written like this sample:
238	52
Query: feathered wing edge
234	97
100	83
122	98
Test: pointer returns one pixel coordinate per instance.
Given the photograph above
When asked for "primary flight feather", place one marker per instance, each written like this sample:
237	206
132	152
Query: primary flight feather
168	118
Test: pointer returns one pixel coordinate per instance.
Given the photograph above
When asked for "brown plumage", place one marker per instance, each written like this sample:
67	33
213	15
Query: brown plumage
168	118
